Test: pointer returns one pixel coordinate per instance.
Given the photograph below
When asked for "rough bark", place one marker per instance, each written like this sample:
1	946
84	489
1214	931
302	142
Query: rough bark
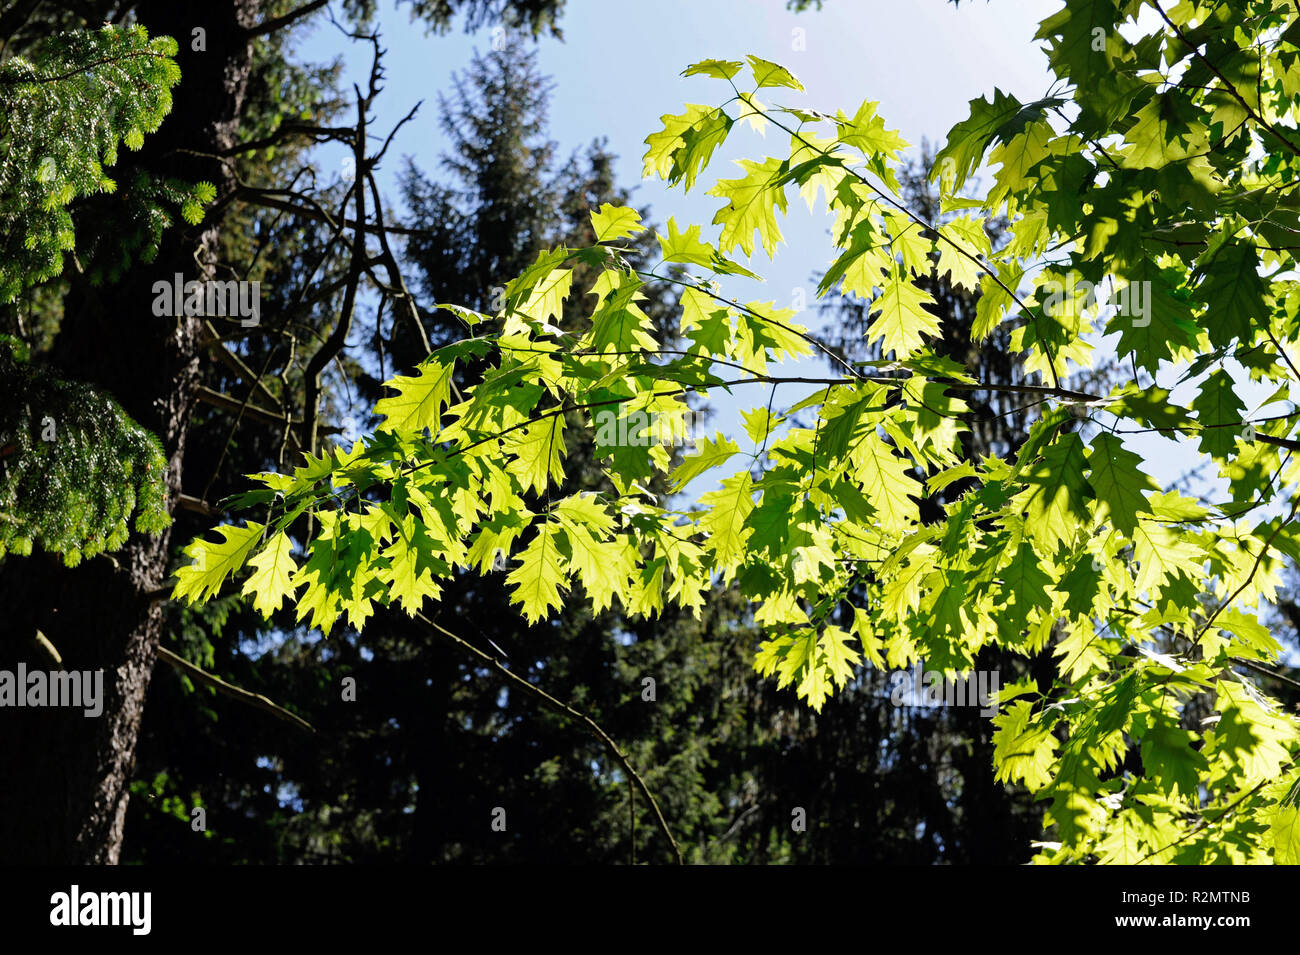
64	777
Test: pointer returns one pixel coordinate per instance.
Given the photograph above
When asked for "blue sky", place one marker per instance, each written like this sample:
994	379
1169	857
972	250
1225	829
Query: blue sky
922	60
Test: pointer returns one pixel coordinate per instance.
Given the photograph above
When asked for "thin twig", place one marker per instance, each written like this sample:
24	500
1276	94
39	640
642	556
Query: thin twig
569	711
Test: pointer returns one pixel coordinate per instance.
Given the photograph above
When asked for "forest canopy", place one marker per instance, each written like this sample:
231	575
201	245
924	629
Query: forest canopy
965	481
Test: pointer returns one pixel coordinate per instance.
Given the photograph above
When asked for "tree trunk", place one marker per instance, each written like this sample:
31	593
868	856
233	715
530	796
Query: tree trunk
64	777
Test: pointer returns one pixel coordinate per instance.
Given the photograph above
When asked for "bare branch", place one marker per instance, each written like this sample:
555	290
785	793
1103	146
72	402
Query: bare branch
181	665
279	23
220	400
